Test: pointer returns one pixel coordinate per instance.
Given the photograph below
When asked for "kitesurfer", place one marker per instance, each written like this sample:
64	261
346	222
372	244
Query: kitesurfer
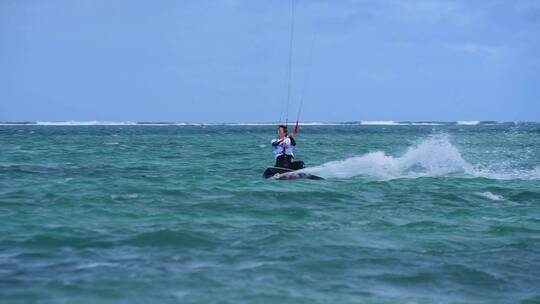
283	150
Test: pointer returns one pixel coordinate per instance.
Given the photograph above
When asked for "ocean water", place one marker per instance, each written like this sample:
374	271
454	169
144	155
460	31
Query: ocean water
408	213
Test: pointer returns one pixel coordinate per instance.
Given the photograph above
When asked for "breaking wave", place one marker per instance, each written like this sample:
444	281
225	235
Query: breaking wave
159	123
399	123
380	123
84	123
468	122
432	157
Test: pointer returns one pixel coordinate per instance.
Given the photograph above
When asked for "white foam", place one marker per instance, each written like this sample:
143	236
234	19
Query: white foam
111	123
85	123
175	124
400	123
432	157
468	122
130	123
426	123
435	156
491	196
380	123
364	123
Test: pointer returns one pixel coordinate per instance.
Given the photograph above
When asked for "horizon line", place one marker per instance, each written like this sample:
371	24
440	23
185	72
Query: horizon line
312	123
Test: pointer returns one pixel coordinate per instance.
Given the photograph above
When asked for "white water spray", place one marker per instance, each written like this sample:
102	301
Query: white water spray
432	157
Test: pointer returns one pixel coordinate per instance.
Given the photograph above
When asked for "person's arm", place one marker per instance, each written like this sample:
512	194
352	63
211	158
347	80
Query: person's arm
293	142
275	142
287	141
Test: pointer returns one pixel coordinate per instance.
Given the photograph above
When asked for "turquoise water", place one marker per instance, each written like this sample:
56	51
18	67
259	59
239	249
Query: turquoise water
179	214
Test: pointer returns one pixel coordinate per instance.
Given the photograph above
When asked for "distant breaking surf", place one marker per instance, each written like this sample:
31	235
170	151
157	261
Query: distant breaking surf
362	123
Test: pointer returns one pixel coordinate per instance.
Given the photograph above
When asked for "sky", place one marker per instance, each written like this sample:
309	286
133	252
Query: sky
227	60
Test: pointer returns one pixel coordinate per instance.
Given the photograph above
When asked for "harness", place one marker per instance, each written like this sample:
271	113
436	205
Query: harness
284	149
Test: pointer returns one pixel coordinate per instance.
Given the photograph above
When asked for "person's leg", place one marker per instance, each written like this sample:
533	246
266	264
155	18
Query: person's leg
297	165
288	161
282	161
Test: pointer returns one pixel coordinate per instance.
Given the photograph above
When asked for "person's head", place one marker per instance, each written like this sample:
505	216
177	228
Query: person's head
282	131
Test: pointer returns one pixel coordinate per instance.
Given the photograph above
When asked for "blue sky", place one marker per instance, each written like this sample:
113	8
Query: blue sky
226	61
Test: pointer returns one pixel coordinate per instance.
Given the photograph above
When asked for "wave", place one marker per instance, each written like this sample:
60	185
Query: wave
491	196
468	122
432	157
131	123
84	123
426	124
401	123
380	123
100	123
363	122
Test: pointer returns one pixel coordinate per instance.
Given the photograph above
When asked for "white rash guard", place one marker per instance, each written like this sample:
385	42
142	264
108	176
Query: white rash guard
285	145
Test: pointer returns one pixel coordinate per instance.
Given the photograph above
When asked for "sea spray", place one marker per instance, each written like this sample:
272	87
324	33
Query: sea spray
433	156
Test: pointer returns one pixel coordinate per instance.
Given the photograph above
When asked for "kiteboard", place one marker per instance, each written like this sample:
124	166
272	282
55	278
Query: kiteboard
286	174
